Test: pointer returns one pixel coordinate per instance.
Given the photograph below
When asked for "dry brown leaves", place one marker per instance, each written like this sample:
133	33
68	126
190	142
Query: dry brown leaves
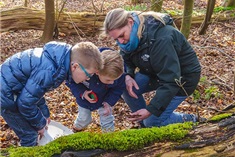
215	49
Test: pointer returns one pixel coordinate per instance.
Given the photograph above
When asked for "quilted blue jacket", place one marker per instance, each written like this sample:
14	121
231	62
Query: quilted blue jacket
28	75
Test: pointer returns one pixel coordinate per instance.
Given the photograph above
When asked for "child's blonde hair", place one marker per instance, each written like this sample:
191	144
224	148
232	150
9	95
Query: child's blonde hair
87	54
113	65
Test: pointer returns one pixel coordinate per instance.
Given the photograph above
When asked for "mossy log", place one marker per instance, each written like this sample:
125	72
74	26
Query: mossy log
82	23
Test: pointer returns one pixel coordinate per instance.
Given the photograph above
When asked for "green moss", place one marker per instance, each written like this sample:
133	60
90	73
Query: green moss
220	116
220	9
123	140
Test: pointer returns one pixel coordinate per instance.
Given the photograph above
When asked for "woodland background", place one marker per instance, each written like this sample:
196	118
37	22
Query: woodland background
215	49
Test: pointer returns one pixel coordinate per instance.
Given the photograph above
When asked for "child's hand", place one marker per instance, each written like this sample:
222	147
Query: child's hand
107	109
41	133
87	97
48	122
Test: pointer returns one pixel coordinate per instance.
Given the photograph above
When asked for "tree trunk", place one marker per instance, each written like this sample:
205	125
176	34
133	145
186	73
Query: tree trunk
229	3
135	2
187	17
156	5
83	23
209	12
234	82
49	22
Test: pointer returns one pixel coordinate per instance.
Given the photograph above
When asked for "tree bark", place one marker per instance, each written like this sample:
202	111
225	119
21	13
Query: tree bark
187	17
156	5
209	12
229	3
83	23
49	22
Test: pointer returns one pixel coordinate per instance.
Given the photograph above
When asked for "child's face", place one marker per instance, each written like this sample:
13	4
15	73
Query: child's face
106	79
80	74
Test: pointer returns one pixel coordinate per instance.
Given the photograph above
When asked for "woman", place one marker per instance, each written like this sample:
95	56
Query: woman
157	57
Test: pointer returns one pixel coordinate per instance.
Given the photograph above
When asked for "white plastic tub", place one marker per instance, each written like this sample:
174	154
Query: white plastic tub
55	130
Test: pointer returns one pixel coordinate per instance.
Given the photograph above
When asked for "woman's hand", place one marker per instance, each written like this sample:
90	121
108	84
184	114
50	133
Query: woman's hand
139	115
130	82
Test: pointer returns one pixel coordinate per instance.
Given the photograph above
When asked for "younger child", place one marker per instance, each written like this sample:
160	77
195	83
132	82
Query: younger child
101	92
28	75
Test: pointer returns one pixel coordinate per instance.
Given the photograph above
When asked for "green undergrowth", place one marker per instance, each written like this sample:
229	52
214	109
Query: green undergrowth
122	141
221	116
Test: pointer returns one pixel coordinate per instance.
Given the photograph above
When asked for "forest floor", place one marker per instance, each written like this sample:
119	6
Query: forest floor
215	50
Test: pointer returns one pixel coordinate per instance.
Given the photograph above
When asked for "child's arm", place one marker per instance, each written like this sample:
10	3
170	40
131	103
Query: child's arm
44	108
77	89
115	92
30	99
80	91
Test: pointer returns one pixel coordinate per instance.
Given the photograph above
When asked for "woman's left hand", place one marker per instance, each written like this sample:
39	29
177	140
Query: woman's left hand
139	115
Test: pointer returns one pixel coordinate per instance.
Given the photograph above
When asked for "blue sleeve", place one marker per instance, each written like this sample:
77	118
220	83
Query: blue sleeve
115	92
76	89
43	107
32	94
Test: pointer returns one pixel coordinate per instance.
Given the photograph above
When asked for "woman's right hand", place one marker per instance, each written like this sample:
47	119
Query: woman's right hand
130	82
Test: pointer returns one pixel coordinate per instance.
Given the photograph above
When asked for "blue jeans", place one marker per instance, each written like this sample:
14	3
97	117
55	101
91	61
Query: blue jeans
84	119
167	117
28	135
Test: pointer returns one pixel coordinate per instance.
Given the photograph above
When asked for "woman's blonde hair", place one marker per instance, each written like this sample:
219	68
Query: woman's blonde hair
118	18
113	65
87	54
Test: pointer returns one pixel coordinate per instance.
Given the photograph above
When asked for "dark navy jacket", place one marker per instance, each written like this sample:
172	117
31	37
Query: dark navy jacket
28	75
109	93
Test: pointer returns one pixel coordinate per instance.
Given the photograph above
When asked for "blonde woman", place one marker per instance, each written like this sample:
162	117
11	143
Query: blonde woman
166	63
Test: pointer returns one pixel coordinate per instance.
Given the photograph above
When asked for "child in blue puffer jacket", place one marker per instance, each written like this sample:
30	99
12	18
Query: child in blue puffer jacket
28	75
101	92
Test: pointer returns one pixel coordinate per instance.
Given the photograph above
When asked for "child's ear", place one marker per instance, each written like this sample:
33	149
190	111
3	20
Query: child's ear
74	66
97	73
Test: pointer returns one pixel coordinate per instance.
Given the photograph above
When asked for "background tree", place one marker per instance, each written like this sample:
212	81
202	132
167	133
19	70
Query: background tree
209	12
25	3
156	5
49	21
229	3
187	17
136	2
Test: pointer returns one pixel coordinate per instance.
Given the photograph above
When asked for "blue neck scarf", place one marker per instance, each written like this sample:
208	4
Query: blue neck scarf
134	40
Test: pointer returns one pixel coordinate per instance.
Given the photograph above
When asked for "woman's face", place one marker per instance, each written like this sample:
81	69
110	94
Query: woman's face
122	35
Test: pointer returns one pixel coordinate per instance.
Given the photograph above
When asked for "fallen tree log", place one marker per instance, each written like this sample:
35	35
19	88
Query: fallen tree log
82	23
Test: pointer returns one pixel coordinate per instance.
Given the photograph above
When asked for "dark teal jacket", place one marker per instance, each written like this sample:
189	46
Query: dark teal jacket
165	55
